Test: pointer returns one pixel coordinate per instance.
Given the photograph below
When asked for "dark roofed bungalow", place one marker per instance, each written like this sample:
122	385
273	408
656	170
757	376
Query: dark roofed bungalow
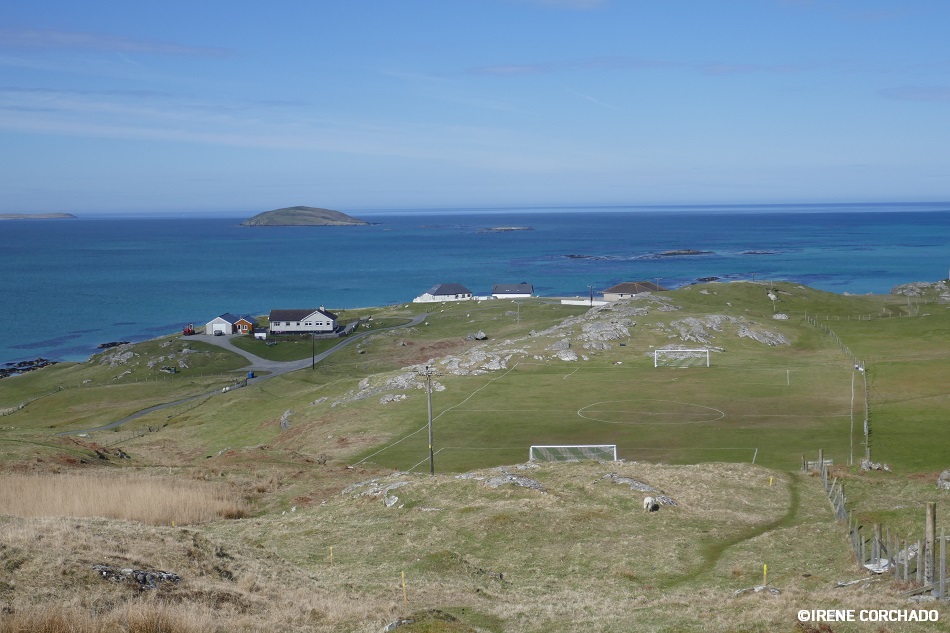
629	289
444	292
523	290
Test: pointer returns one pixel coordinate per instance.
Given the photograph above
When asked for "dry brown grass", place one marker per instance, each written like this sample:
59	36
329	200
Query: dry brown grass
581	555
147	499
146	617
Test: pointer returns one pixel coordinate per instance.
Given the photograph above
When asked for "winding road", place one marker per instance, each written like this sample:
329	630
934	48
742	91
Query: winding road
257	365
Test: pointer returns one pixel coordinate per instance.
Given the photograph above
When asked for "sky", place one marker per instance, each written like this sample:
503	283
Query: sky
239	107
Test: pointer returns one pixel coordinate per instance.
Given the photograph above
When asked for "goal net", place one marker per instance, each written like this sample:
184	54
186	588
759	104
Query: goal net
573	453
680	357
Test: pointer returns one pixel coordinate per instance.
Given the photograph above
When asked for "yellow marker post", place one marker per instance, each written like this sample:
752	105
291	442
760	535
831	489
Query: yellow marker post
405	596
331	556
765	569
770	481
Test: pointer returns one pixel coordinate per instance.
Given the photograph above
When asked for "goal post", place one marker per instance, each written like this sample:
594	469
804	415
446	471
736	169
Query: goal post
573	453
672	357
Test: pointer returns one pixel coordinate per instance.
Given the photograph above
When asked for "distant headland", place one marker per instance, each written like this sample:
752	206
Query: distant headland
37	216
303	216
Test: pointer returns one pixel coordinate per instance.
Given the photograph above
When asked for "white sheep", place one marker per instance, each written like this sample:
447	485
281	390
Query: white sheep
650	504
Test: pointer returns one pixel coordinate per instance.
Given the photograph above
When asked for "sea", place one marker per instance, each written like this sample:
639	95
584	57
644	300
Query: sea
67	286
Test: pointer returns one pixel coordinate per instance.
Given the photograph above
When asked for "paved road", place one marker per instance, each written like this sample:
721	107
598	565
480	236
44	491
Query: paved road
257	364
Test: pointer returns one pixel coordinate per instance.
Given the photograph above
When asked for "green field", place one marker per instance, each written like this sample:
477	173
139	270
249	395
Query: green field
663	414
330	466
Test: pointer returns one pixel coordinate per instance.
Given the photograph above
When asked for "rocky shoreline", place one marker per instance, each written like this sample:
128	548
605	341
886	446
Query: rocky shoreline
13	369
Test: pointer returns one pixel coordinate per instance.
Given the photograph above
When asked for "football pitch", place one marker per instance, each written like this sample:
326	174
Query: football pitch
680	415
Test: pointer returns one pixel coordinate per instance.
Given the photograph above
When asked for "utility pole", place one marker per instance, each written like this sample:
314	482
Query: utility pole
591	288
429	407
313	353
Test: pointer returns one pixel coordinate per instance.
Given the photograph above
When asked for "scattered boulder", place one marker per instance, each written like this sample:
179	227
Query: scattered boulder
867	464
639	486
658	497
704	330
560	346
477	336
773	591
374	488
922	288
943	481
145	579
517	480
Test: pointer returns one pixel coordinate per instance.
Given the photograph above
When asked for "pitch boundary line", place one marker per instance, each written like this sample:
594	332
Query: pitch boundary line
722	414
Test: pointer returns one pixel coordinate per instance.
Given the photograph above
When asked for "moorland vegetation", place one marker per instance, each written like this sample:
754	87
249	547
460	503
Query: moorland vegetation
303	501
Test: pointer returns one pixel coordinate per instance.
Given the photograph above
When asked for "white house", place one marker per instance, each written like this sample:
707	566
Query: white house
444	292
524	290
630	288
228	323
305	321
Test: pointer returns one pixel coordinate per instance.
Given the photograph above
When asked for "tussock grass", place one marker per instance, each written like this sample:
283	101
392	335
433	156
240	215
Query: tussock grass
150	617
150	500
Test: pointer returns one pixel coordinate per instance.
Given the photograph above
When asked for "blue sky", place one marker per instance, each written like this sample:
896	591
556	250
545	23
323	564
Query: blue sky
238	107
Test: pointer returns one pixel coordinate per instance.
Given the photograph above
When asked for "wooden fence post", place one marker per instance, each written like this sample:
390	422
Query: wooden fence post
942	591
906	561
930	536
876	545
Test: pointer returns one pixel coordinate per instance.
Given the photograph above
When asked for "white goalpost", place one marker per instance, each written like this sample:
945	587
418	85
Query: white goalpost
680	357
573	453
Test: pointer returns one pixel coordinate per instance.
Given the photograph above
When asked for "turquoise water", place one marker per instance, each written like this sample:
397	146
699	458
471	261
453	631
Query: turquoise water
69	285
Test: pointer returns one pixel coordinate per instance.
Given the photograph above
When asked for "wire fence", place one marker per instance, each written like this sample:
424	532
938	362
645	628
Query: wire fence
861	368
919	561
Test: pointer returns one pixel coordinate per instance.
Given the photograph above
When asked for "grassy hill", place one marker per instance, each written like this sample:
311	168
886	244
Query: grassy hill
318	517
303	216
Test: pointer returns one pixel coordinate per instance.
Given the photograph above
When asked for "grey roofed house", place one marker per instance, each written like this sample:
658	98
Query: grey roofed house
629	289
524	289
297	315
444	292
306	320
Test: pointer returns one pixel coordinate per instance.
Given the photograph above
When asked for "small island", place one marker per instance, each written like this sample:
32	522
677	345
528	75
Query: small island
303	216
37	216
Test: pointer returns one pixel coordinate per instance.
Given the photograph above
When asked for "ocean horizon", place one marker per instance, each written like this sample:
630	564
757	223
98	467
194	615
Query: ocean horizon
73	284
